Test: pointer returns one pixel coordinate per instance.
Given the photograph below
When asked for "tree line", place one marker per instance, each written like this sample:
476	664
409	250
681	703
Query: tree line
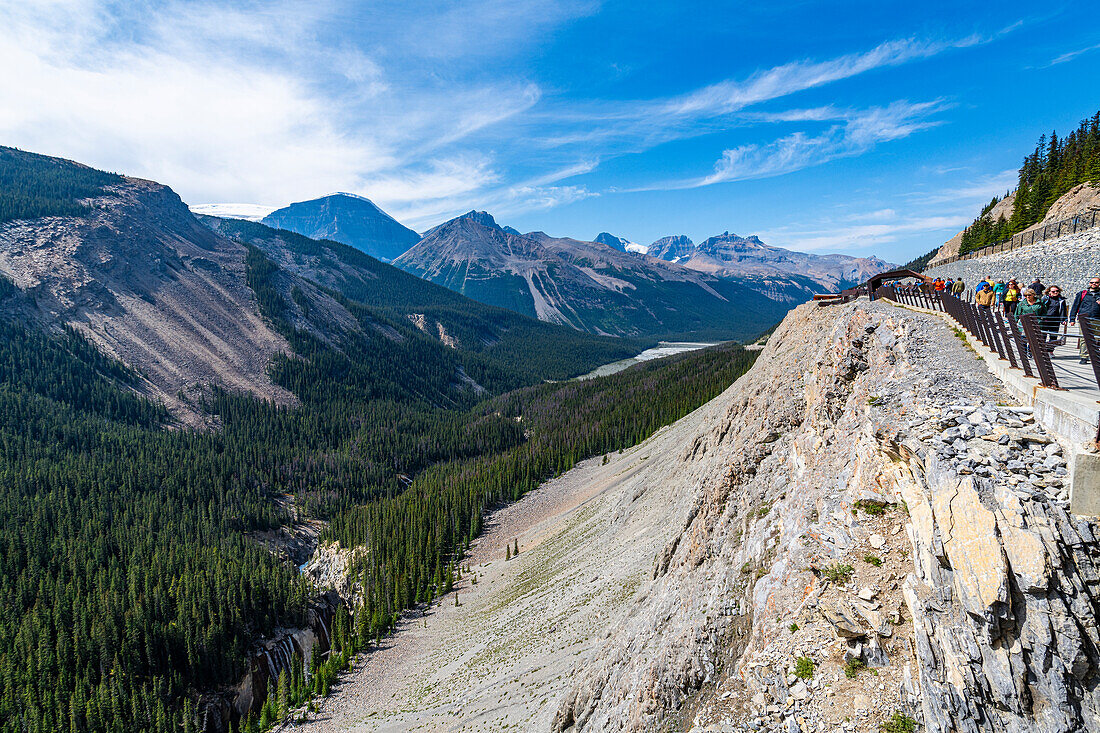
1055	166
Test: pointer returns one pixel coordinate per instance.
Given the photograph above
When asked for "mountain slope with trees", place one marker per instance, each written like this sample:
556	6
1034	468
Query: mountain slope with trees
130	552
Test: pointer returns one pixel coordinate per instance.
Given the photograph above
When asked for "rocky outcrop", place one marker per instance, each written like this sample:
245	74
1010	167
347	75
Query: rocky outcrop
329	567
219	712
1004	600
888	542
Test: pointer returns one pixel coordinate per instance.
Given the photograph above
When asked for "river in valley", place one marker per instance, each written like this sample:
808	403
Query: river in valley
662	349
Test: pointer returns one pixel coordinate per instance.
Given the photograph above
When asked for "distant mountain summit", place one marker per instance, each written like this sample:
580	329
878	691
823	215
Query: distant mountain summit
728	255
348	219
671	249
623	245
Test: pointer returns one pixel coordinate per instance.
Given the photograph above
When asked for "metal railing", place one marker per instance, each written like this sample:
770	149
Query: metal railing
1021	343
1053	230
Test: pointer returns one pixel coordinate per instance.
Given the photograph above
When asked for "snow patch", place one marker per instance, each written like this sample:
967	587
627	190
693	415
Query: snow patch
248	212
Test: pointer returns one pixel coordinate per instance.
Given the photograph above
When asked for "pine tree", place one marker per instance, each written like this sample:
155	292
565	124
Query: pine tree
282	706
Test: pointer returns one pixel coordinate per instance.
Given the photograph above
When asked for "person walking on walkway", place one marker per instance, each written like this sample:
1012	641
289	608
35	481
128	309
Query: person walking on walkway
1012	297
1029	306
984	297
999	292
958	288
1038	287
1086	305
1053	314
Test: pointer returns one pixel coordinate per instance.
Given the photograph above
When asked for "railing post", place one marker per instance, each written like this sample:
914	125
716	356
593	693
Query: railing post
1090	332
999	324
1039	351
1021	345
994	335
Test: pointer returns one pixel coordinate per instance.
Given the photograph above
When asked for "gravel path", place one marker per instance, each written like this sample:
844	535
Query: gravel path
500	659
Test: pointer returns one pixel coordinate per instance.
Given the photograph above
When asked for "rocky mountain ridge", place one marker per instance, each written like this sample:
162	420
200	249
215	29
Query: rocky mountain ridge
152	287
588	286
728	255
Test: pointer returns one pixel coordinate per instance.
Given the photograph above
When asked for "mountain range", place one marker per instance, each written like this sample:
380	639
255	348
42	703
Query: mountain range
189	303
672	288
589	286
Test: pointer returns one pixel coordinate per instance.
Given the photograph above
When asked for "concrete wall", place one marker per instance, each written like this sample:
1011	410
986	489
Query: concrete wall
1068	262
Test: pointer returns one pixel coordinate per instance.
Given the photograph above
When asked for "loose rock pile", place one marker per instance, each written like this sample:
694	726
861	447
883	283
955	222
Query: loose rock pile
1002	443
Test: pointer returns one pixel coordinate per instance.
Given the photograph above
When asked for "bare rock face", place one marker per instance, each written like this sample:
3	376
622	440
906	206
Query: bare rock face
1004	602
152	287
876	536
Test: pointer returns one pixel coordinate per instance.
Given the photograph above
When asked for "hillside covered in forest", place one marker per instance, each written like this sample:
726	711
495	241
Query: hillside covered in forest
141	481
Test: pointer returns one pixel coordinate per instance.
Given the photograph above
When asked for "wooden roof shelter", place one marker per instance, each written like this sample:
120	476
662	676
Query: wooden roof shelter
876	281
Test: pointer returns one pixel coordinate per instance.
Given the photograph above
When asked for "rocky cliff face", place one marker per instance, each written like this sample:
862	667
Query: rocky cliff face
149	285
222	711
876	535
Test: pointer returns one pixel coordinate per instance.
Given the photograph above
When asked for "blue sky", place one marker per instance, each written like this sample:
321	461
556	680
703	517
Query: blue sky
857	127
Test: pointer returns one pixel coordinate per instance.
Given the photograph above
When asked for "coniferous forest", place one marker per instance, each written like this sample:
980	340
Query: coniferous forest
35	185
1055	166
131	579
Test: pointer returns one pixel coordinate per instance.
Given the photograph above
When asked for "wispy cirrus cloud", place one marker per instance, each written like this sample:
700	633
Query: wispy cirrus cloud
934	216
412	103
1071	55
860	131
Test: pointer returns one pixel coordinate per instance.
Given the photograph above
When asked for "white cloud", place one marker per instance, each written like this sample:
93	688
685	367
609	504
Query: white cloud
861	131
282	101
237	104
781	81
1069	56
937	215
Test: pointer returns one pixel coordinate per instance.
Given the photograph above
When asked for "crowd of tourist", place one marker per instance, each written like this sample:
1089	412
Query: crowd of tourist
1054	313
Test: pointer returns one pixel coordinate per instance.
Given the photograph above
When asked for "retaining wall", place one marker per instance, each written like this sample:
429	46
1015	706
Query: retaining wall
1068	262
